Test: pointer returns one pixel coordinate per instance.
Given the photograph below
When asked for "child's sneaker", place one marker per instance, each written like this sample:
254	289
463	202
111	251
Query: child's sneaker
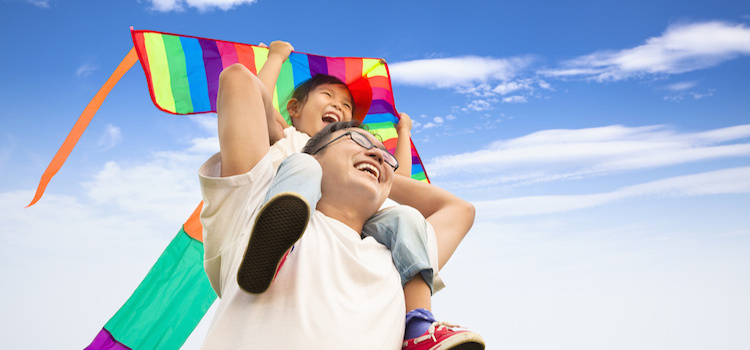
441	335
279	224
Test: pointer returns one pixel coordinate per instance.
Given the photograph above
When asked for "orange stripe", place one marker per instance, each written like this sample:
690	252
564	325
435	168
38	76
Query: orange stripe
193	226
246	56
82	123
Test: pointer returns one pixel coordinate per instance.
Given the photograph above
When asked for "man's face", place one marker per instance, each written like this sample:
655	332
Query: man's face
352	171
325	104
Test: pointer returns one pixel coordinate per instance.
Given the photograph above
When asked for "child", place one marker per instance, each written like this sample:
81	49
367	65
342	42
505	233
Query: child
316	103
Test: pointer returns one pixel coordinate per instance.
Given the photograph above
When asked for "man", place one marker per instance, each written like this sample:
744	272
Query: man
336	290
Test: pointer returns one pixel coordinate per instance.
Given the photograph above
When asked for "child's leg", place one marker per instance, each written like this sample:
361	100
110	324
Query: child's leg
281	221
403	230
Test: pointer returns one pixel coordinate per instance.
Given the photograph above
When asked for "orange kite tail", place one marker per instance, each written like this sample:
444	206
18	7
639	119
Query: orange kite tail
83	121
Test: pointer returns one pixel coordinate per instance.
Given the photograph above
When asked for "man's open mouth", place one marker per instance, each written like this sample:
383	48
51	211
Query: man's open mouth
369	168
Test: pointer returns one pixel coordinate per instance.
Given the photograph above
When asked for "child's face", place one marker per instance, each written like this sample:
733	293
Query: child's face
325	104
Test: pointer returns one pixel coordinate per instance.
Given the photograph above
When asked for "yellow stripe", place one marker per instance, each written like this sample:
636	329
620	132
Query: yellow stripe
261	56
157	62
375	68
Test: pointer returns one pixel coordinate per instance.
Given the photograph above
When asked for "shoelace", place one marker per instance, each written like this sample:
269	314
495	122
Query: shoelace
435	326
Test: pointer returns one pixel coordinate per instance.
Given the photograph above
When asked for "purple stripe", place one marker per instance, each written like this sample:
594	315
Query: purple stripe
105	341
318	65
212	62
380	106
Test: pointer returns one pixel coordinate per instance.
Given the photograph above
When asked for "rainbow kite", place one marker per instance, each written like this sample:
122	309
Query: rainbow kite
182	74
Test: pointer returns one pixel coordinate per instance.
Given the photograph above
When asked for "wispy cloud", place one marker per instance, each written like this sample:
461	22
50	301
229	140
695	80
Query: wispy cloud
456	71
681	48
727	181
482	79
200	5
40	3
573	153
86	69
110	138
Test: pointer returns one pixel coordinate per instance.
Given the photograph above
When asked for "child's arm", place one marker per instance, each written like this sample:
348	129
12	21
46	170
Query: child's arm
450	216
278	52
403	145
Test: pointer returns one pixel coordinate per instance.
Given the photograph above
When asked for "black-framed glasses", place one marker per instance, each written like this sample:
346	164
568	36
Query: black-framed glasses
363	141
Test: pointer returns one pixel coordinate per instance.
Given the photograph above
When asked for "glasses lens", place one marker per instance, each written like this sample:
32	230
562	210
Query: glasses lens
363	141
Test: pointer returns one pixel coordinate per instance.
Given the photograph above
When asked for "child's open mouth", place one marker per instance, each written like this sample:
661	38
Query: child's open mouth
330	118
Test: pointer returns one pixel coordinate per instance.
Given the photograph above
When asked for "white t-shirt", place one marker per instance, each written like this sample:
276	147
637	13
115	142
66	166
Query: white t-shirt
335	290
294	141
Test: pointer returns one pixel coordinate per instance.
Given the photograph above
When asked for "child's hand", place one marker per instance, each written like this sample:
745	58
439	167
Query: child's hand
404	123
280	49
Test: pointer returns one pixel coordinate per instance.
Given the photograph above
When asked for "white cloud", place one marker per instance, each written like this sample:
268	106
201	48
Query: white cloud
515	99
455	72
201	5
727	181
110	138
86	69
40	3
570	153
681	48
685	85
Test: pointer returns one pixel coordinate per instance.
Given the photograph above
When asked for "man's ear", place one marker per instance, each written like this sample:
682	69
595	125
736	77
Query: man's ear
293	107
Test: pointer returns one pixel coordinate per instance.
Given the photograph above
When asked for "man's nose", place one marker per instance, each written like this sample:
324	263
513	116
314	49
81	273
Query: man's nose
375	153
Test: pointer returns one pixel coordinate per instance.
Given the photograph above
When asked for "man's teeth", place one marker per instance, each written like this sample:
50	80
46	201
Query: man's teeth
369	168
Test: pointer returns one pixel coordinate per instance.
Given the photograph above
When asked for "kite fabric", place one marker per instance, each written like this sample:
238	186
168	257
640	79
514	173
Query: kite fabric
182	74
170	301
183	78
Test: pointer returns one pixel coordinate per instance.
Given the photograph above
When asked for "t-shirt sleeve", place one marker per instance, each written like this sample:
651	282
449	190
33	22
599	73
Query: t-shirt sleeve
292	142
229	204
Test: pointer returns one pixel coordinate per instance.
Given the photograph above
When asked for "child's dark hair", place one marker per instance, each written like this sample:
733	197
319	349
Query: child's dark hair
300	93
322	136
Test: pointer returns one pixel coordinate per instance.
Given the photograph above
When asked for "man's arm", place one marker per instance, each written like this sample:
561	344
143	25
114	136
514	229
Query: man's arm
451	217
244	109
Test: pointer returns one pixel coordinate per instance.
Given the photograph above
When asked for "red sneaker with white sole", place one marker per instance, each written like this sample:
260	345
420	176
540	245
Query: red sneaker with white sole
442	335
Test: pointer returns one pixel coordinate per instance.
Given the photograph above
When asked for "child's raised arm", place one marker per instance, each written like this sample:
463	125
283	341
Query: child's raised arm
403	145
451	217
278	52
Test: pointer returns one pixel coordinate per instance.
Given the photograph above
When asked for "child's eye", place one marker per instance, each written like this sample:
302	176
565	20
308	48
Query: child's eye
348	106
327	93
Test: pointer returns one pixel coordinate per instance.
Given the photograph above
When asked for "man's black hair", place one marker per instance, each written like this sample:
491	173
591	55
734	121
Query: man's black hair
324	135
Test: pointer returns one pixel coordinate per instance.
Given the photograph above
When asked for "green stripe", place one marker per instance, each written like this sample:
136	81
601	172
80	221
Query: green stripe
284	89
178	74
169	303
419	176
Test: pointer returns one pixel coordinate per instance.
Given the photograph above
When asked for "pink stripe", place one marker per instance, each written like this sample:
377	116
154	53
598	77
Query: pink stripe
382	94
228	53
336	67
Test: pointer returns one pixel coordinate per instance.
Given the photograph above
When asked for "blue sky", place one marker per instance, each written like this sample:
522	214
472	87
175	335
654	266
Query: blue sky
606	147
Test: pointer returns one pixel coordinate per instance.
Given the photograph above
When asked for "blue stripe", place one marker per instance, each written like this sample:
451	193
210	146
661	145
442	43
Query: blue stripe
300	68
416	169
196	74
380	118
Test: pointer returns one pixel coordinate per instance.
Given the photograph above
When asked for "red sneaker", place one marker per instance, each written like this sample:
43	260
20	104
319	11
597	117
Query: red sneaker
441	336
279	224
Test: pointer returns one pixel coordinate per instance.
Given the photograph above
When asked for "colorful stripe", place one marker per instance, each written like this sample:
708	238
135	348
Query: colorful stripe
183	74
